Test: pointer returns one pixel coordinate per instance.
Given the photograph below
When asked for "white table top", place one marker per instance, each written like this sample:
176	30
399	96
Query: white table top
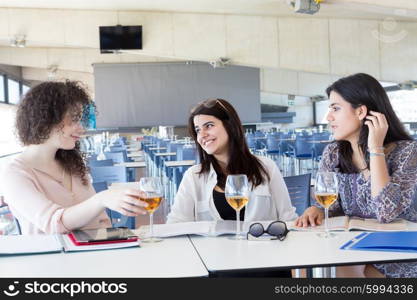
124	185
133	164
157	148
298	250
174	257
135	154
165	154
179	163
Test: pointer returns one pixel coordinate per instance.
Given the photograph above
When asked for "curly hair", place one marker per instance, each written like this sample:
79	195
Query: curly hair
43	108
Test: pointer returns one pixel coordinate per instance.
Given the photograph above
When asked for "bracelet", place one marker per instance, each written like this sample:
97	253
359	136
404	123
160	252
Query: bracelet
376	154
376	148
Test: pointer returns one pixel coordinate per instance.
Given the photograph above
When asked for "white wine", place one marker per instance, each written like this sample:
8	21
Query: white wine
326	199
237	202
153	203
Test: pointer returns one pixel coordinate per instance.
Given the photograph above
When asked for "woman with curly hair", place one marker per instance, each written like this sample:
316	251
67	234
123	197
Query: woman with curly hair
47	186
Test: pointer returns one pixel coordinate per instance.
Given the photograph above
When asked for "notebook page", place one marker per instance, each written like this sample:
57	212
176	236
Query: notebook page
176	229
26	244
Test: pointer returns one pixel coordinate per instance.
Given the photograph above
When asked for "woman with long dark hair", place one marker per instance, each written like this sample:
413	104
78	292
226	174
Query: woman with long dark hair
376	163
47	186
218	133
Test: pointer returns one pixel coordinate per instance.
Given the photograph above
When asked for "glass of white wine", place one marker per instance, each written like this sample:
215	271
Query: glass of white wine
325	192
153	190
237	195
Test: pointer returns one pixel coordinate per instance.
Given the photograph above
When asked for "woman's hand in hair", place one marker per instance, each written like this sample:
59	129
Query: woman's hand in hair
378	127
312	216
123	201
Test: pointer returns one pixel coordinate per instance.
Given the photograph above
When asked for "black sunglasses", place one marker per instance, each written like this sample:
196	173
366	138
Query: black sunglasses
277	229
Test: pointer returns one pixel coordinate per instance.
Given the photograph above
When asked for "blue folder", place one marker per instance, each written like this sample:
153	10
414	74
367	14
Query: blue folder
399	241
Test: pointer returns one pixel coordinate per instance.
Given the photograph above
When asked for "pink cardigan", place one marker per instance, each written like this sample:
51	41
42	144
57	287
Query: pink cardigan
38	200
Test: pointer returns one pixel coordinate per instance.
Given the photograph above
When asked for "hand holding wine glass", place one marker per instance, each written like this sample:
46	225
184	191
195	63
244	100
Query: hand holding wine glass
237	195
153	194
325	192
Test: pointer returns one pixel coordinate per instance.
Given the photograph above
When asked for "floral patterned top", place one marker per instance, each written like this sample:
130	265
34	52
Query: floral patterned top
398	199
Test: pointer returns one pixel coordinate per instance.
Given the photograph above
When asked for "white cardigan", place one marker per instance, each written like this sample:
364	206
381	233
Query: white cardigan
194	199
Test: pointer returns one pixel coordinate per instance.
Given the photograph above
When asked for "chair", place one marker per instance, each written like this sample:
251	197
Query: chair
102	176
117	148
117	157
100	163
302	150
109	174
299	190
100	186
121	157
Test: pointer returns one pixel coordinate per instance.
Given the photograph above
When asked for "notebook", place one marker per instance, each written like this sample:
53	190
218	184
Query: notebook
345	223
43	243
401	241
204	228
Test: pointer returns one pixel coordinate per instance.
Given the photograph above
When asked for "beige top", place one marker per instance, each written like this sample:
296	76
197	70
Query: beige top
38	200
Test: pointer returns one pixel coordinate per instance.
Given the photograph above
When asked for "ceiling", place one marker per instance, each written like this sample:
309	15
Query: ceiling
378	9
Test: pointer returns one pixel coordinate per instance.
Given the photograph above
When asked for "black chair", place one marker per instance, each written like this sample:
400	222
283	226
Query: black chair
299	190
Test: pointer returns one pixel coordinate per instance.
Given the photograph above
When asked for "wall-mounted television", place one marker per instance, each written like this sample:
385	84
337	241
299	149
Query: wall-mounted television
120	38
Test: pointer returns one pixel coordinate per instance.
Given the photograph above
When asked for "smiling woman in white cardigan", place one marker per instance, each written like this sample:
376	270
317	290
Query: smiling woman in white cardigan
219	136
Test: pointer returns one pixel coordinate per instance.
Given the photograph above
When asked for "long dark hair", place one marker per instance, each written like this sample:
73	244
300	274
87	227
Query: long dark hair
44	107
241	161
363	89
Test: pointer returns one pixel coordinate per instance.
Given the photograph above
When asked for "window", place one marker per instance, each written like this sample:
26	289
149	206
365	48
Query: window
13	91
25	89
403	103
2	94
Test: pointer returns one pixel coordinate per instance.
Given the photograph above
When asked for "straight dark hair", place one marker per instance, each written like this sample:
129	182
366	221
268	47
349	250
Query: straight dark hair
241	161
363	89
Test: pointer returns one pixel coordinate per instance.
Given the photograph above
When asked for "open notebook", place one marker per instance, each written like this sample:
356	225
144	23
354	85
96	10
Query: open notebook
38	244
204	228
345	223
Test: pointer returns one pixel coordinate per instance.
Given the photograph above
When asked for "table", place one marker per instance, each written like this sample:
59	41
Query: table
165	154
157	148
320	142
135	154
124	185
132	164
198	256
298	250
179	163
174	257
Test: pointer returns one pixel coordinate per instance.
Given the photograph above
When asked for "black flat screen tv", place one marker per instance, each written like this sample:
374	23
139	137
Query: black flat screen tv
120	38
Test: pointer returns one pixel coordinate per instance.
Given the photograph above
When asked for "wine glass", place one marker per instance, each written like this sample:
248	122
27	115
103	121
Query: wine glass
153	190
325	192
236	192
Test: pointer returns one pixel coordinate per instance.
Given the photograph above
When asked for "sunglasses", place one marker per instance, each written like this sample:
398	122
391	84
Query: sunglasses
210	103
277	229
